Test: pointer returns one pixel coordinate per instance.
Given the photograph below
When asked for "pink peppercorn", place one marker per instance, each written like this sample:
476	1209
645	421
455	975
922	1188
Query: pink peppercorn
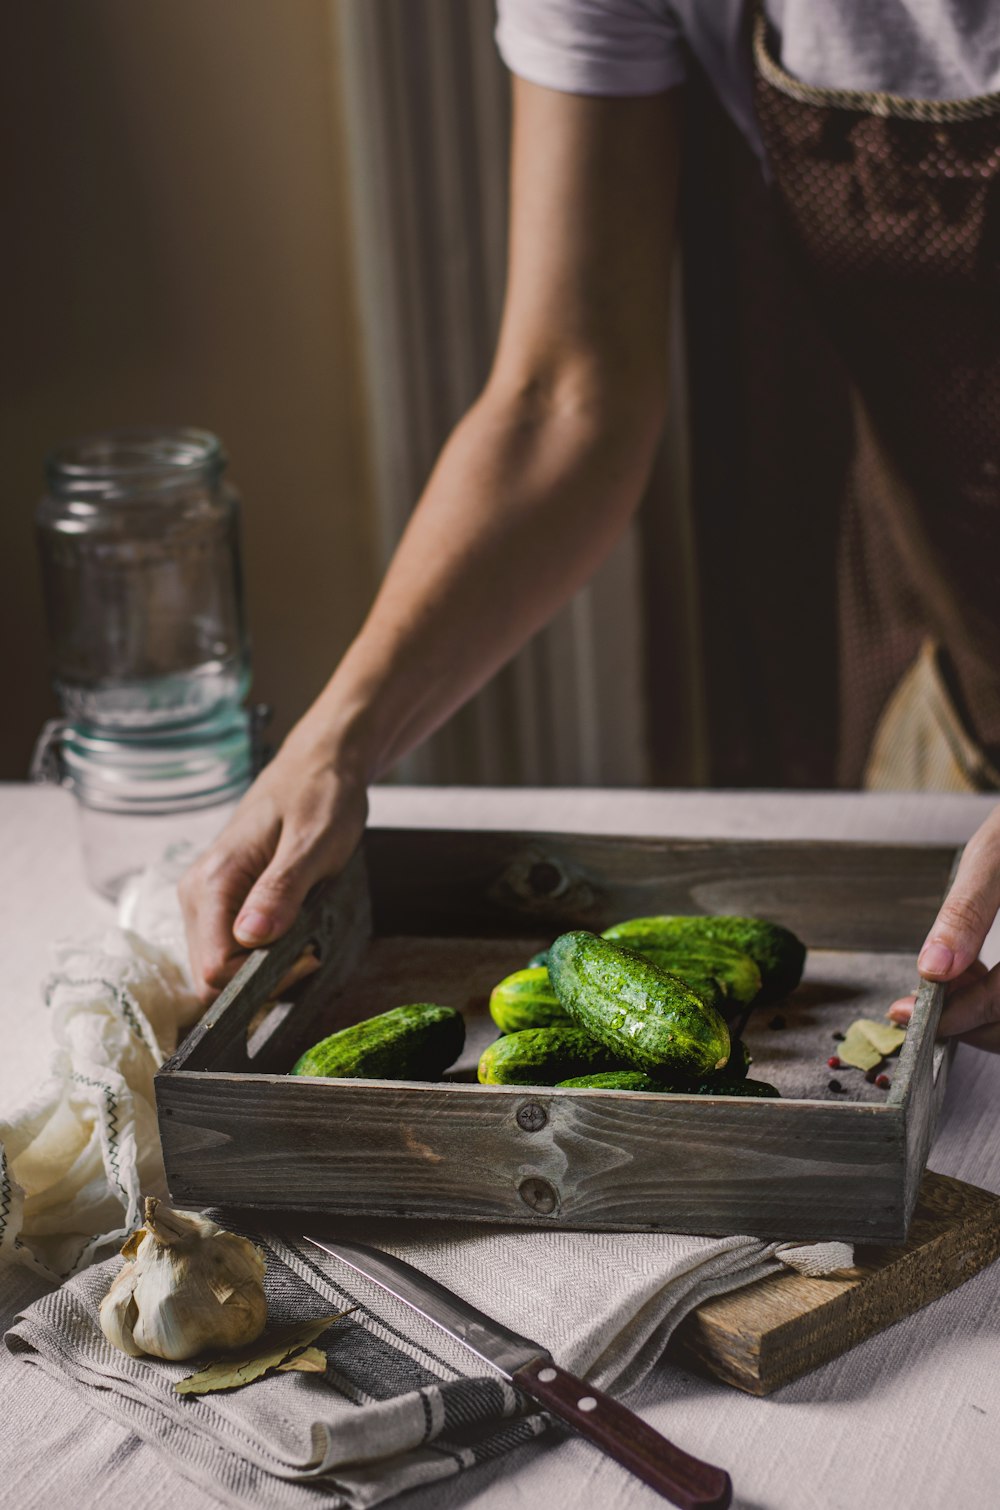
833	1062
883	1082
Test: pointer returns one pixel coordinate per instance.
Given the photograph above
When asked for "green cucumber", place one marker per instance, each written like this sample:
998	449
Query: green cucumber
737	972
650	1018
776	951
722	1086
701	974
738	977
614	1080
416	1042
543	1056
526	1000
635	1080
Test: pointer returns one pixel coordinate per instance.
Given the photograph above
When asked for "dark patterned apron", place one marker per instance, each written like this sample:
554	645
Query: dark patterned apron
892	210
842	347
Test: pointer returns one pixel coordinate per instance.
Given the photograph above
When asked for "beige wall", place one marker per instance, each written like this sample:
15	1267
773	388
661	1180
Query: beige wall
174	249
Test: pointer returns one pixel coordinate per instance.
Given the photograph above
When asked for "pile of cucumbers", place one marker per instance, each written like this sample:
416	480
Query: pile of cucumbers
642	1006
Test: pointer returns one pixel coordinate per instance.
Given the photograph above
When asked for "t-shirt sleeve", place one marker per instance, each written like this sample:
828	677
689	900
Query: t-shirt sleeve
608	47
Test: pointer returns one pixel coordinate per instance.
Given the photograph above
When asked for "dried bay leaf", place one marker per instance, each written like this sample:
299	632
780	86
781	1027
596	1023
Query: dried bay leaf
884	1036
867	1042
277	1348
857	1048
311	1361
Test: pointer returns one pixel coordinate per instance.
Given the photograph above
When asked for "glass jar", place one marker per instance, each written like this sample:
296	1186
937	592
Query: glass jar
149	801
138	536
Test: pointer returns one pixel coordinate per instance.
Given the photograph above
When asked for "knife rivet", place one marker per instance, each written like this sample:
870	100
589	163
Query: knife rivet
538	1194
531	1117
546	1375
587	1403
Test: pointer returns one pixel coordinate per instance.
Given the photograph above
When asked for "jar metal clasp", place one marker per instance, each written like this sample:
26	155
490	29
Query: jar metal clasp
47	765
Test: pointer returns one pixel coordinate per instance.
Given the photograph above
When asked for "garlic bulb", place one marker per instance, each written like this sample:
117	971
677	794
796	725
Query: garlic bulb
188	1286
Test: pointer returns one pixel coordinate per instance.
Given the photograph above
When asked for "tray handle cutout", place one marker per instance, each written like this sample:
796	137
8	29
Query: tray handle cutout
239	1032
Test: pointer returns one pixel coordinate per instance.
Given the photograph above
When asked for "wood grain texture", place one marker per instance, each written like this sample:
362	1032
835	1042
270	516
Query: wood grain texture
921	1076
836	895
686	1481
237	1130
762	1337
600	1159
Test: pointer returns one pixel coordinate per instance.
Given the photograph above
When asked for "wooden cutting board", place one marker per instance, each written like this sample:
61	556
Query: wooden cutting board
781	1327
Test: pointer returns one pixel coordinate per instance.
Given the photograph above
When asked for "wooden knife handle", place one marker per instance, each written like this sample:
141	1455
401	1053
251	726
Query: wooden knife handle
686	1481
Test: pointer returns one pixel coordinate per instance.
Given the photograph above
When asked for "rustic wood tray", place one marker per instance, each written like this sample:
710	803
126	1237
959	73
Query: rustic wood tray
428	915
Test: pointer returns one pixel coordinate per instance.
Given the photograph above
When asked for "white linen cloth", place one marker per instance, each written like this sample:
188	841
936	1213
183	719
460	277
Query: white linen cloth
79	1154
400	1404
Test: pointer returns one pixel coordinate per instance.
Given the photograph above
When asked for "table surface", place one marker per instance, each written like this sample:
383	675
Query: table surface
908	1419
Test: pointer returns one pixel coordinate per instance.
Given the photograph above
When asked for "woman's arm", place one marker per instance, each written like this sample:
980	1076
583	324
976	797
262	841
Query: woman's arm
527	498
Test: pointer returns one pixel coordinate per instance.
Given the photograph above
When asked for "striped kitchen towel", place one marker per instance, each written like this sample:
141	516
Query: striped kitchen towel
400	1404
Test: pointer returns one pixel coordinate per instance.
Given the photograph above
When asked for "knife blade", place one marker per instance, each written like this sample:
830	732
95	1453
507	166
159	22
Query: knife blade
681	1478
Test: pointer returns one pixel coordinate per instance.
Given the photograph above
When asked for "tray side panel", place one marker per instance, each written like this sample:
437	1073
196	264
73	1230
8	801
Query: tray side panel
834	895
556	1158
919	1084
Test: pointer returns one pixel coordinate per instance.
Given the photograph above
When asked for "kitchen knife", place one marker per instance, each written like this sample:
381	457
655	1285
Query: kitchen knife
685	1480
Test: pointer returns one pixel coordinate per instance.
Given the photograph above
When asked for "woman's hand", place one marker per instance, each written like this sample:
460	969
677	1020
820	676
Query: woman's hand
951	949
298	823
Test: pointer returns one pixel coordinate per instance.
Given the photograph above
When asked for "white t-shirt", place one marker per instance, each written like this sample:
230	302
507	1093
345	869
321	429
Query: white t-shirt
930	49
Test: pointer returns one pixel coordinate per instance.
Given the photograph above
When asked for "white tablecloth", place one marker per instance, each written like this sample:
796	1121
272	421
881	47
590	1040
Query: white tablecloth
908	1421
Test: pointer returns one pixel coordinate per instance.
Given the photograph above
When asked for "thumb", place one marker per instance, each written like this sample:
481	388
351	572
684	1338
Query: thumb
968	911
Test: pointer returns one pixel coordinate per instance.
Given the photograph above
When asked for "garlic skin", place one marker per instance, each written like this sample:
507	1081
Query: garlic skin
189	1286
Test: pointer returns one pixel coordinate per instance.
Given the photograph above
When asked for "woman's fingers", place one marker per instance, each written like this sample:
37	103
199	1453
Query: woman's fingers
298	824
951	949
211	895
971	1011
973	1008
968	911
306	853
901	1010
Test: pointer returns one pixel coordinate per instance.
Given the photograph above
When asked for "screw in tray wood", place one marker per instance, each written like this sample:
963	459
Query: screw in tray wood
538	1194
531	1117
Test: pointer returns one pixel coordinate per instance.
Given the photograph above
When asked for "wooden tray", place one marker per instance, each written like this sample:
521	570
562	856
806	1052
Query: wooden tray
441	916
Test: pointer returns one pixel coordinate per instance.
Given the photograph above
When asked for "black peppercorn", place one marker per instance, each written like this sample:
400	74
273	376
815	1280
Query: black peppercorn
834	1085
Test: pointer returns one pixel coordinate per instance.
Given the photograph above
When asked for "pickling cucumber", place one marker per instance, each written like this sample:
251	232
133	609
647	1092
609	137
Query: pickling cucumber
416	1042
635	1080
543	1056
736	974
614	1080
722	1085
648	1017
526	1000
776	951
